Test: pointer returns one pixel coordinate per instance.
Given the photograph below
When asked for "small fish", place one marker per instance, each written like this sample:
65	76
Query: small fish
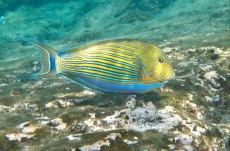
114	66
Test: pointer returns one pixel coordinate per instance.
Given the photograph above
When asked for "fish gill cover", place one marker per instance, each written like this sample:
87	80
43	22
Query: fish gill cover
191	112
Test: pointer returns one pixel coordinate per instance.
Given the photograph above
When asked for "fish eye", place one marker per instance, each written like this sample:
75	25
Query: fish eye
160	60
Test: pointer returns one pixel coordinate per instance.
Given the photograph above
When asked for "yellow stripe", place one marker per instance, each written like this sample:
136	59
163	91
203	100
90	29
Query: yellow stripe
138	50
158	68
100	67
165	73
111	63
103	74
161	74
58	65
129	47
115	48
108	57
92	53
123	43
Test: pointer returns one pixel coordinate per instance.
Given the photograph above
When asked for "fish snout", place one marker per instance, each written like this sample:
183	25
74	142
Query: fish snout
171	75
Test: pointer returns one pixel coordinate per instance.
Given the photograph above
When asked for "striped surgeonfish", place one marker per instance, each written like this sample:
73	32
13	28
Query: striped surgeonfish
115	66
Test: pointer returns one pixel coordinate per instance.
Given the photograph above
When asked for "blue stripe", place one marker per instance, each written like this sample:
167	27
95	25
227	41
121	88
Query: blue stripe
106	65
113	49
101	77
114	61
109	54
120	87
103	71
53	63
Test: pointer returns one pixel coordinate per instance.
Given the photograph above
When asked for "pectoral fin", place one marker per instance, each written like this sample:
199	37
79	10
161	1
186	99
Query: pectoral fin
144	77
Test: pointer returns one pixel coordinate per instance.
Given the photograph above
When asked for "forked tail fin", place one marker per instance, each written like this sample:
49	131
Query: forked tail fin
47	61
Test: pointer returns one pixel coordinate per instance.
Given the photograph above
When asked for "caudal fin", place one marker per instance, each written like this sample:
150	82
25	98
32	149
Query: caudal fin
47	61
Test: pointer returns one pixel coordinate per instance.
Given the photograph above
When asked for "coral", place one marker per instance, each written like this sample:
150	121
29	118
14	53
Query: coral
137	119
57	124
26	132
19	136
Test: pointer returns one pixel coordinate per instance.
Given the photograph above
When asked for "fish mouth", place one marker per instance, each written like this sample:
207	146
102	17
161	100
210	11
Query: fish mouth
172	76
169	77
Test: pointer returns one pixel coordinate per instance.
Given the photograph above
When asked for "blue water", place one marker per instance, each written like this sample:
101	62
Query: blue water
202	26
84	21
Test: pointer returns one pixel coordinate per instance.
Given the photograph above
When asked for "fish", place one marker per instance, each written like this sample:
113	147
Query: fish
112	66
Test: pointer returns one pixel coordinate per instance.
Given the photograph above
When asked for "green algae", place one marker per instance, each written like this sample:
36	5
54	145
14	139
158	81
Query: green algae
5	145
158	140
60	144
213	132
42	132
11	121
70	116
153	139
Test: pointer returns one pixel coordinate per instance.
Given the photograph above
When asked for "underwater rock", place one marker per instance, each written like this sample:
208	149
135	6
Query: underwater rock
27	131
85	93
67	100
26	107
138	119
89	122
97	145
64	103
172	146
205	67
211	75
167	109
208	99
73	137
33	86
113	136
131	102
14	93
6	109
184	139
139	116
51	105
61	103
190	106
19	136
27	127
55	84
57	124
130	142
44	120
79	127
214	80
212	99
188	148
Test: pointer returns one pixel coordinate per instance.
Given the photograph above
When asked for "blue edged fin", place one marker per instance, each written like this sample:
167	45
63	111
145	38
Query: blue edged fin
48	60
